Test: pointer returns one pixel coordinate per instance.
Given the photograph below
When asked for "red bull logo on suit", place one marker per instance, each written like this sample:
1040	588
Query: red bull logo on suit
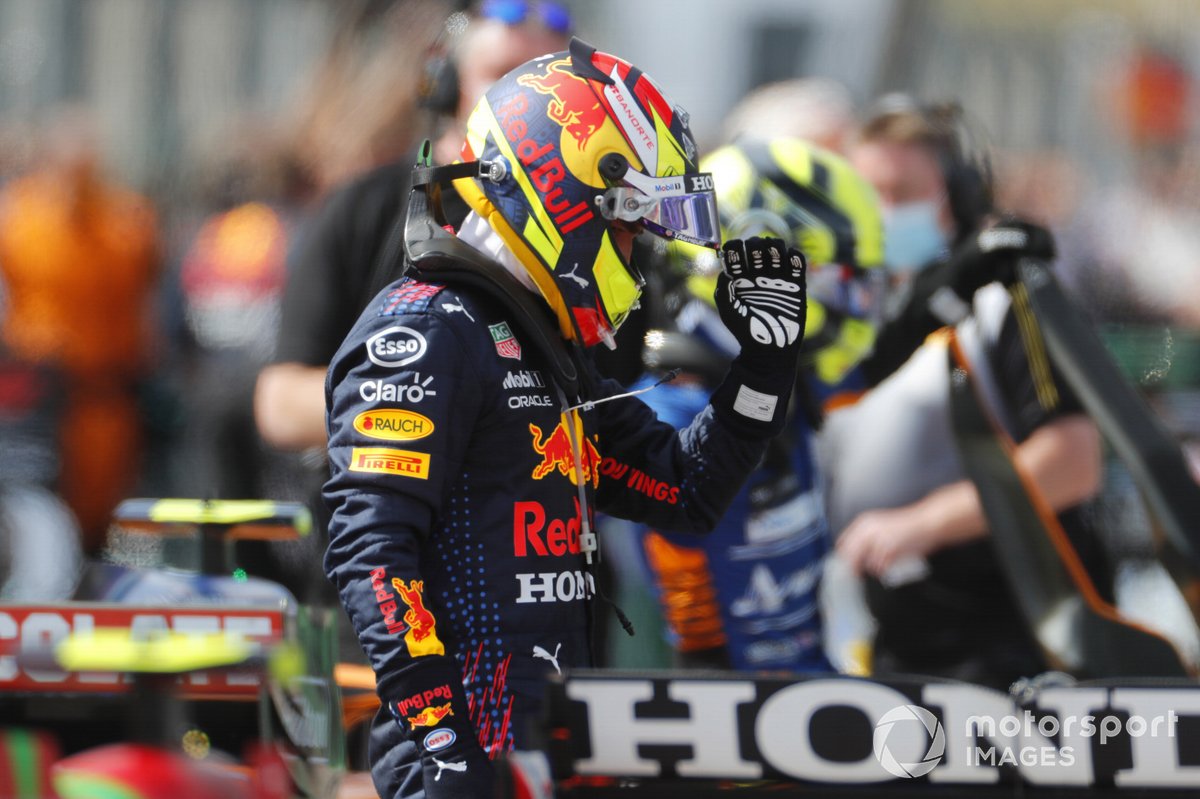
558	454
421	638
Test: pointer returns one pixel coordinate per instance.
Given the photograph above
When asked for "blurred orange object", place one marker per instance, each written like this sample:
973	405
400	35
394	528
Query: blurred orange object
359	700
689	596
1154	97
78	259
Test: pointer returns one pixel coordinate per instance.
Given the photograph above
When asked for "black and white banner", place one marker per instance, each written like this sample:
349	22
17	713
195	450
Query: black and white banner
935	737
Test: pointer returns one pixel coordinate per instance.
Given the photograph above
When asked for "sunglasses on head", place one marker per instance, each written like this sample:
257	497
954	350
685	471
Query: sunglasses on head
513	12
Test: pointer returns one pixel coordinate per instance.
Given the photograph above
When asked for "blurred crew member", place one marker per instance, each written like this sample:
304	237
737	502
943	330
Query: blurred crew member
79	260
351	248
909	519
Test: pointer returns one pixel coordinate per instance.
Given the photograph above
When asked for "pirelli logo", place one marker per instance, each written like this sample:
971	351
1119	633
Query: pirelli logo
384	460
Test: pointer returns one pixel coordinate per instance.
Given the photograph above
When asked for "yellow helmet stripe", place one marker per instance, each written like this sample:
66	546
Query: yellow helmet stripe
671	160
1035	348
852	193
814	318
734	177
538	238
794	159
474	197
846	190
810	233
854	341
549	243
616	286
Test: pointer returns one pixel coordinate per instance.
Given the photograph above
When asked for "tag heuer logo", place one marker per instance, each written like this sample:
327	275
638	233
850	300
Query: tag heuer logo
506	343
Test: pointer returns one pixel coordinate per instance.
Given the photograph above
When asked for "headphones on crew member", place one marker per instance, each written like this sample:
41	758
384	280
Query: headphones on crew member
440	85
961	154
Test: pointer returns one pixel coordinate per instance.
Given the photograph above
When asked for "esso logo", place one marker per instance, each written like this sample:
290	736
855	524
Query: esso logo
395	346
439	740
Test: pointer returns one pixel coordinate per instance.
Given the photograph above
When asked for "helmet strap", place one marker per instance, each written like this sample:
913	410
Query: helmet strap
432	178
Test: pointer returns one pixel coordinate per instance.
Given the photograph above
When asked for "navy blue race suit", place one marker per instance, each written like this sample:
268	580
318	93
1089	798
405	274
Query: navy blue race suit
746	596
456	531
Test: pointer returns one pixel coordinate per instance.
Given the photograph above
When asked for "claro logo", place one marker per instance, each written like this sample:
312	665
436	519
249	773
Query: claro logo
393	425
395	346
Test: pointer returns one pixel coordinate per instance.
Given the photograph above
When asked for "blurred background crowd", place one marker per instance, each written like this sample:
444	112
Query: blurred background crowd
160	159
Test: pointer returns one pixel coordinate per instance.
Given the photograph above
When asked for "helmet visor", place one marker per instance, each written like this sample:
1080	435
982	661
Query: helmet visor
682	208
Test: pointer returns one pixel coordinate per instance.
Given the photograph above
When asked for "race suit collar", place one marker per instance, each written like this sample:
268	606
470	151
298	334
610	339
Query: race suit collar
479	234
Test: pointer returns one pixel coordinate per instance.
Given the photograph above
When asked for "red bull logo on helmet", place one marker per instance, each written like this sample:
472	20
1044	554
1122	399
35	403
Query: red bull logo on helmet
543	159
575	107
558	455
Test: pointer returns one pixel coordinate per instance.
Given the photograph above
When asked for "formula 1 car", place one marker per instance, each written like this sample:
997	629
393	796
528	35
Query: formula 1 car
223	708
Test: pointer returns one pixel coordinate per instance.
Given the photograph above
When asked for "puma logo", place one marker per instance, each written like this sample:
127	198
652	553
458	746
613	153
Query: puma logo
538	652
442	766
450	307
583	283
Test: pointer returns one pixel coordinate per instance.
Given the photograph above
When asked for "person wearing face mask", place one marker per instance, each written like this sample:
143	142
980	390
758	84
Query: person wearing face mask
905	515
942	238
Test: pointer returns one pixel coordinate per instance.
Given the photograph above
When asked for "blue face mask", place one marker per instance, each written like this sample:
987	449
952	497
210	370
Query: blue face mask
913	239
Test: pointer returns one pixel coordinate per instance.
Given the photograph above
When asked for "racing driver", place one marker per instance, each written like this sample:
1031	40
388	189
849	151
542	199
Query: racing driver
470	438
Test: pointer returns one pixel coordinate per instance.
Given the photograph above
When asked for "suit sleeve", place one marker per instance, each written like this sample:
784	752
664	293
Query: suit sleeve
1033	387
907	326
400	404
685	480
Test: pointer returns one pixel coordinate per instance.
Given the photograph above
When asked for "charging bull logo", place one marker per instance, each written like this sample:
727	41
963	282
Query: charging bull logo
558	454
575	106
421	637
430	716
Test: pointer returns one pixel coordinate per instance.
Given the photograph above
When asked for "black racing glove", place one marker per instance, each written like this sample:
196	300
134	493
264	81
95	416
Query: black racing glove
428	703
991	254
761	298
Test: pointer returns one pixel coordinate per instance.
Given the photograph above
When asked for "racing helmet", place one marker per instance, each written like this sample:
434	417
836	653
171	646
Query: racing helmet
814	200
581	143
